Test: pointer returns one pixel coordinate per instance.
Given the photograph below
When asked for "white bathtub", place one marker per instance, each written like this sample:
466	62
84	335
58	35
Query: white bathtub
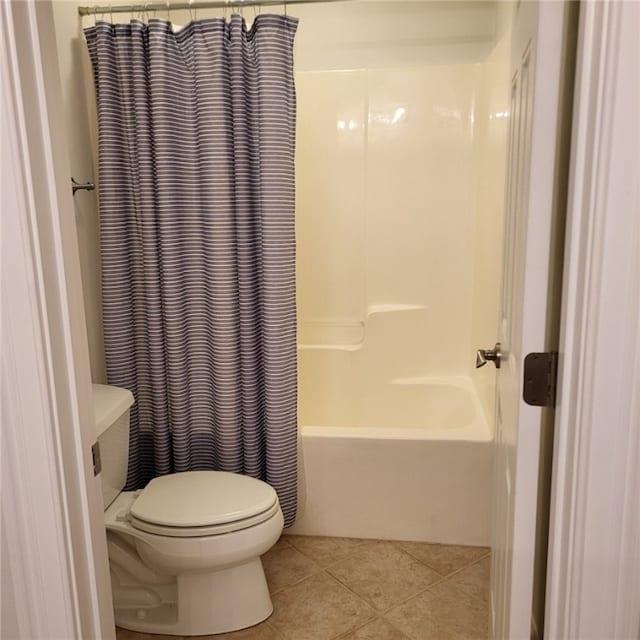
407	460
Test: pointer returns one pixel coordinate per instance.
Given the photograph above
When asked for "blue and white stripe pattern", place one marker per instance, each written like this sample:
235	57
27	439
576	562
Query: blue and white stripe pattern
196	155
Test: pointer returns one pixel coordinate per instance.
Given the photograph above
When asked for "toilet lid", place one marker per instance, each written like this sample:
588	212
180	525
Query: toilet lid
202	499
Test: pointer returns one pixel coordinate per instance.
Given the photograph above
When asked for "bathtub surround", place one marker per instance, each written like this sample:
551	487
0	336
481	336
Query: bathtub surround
400	181
490	161
196	146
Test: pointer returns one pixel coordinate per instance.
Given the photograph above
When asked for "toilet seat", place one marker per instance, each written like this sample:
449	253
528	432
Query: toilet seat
202	503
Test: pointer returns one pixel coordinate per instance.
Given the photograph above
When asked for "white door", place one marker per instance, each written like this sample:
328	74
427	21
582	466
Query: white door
536	54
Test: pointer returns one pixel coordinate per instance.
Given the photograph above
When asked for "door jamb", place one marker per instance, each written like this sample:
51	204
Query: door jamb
593	583
53	536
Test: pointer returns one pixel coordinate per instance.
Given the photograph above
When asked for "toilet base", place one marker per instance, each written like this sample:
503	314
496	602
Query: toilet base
207	603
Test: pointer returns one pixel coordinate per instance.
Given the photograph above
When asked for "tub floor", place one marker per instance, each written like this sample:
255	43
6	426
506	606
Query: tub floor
350	589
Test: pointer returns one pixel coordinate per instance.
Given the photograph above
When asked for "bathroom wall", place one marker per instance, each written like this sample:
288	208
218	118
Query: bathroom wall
81	133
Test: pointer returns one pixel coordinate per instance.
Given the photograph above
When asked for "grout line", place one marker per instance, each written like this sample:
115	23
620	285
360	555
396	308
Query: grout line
360	542
344	634
470	564
393	626
397	544
279	634
296	583
357	595
281	541
381	613
318	569
411	597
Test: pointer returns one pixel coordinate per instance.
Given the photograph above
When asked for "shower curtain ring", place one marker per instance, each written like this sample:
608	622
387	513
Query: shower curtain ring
191	10
111	11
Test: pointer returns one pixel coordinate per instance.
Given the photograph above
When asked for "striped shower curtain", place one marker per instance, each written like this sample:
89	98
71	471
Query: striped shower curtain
196	179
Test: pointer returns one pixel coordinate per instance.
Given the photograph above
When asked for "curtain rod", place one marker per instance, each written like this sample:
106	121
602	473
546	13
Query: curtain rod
176	6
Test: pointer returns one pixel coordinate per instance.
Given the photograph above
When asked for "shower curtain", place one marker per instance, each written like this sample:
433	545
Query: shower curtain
196	187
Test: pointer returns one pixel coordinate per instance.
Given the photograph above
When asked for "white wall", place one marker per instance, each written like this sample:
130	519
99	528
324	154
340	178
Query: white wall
81	134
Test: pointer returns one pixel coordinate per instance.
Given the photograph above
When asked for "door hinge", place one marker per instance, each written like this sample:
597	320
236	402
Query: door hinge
95	456
539	387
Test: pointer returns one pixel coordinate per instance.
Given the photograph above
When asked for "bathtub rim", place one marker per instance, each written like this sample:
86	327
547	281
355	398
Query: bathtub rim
462	434
478	430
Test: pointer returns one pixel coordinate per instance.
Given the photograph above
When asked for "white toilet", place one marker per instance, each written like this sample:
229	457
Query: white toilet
184	552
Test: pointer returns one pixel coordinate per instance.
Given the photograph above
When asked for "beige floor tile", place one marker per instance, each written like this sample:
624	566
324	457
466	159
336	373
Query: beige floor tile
444	558
442	613
323	550
263	631
285	566
474	580
125	634
377	630
283	541
383	575
320	608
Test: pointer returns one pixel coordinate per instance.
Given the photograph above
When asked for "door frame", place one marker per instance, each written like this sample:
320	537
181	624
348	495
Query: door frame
593	578
55	571
47	395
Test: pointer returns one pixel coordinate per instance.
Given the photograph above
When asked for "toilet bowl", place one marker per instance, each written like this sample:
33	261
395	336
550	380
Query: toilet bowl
184	552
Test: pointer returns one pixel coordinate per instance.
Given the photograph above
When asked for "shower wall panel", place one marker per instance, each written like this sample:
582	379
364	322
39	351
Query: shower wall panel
330	208
386	215
419	205
490	160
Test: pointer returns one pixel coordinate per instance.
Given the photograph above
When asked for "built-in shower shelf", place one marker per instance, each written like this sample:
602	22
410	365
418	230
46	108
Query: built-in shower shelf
393	308
329	347
344	334
331	333
433	381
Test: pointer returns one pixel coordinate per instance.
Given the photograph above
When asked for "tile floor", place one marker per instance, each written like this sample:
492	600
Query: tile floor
347	589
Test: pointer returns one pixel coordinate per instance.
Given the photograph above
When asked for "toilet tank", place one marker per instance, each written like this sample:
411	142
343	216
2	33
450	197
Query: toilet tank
111	410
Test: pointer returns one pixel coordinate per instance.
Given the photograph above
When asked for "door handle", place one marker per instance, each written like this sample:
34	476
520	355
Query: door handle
484	355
